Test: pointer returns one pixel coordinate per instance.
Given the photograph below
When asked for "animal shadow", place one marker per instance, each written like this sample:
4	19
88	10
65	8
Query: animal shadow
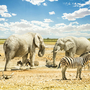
62	79
49	64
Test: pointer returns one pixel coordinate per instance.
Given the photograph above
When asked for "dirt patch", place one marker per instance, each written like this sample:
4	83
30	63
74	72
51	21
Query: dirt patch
42	77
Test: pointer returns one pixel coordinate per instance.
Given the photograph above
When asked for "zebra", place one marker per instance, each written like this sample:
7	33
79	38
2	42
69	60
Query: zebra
79	61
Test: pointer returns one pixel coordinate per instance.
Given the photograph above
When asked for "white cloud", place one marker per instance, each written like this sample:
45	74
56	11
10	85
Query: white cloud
13	14
28	26
48	20
39	23
3	8
51	13
2	19
53	0
4	11
60	24
81	5
44	4
58	30
82	12
73	23
6	15
35	2
86	3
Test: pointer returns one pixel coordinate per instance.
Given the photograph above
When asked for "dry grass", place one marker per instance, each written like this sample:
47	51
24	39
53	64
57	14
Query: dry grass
2	41
50	43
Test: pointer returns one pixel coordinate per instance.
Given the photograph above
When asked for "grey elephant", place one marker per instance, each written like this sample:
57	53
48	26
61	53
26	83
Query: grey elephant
71	45
22	45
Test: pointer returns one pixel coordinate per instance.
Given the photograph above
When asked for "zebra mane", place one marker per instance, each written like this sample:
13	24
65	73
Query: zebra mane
84	53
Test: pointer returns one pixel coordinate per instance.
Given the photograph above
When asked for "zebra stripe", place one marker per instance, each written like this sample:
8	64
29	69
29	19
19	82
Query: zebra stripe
71	60
65	60
68	60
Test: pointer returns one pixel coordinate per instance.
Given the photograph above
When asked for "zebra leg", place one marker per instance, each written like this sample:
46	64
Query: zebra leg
80	70
63	73
77	72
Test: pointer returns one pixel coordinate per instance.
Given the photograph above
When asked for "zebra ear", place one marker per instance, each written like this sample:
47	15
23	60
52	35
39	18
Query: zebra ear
68	45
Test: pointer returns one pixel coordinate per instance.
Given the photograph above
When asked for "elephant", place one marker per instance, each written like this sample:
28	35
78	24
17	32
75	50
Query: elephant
22	45
71	45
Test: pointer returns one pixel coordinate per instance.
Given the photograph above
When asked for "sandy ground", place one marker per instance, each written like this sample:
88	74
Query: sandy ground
42	77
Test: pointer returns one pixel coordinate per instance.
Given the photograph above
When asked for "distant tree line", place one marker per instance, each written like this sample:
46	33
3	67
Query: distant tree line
50	40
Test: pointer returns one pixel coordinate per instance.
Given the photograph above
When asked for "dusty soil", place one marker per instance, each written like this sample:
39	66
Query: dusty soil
42	77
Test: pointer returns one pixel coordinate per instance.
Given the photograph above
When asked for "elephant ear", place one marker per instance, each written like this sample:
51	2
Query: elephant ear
69	45
37	40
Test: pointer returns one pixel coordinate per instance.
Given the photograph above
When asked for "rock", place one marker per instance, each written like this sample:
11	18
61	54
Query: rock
36	63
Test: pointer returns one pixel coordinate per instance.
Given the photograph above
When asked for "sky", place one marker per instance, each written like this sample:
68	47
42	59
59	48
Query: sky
50	18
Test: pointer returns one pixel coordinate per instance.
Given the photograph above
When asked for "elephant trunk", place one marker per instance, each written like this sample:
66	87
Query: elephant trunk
55	50
54	57
41	51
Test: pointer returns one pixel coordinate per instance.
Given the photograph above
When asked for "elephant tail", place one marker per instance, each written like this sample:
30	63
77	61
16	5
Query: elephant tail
59	65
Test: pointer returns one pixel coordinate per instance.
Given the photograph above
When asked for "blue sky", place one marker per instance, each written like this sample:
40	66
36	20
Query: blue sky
50	18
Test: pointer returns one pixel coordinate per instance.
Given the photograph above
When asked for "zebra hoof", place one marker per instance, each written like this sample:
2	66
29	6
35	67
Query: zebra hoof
64	78
80	78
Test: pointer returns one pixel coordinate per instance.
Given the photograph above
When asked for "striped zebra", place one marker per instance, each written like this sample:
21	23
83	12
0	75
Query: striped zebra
79	61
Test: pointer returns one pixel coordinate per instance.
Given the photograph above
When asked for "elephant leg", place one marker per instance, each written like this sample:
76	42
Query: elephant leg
71	54
32	57
66	53
54	56
24	58
63	73
7	60
8	56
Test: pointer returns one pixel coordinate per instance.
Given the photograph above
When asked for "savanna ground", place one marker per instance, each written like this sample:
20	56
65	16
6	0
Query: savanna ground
42	77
